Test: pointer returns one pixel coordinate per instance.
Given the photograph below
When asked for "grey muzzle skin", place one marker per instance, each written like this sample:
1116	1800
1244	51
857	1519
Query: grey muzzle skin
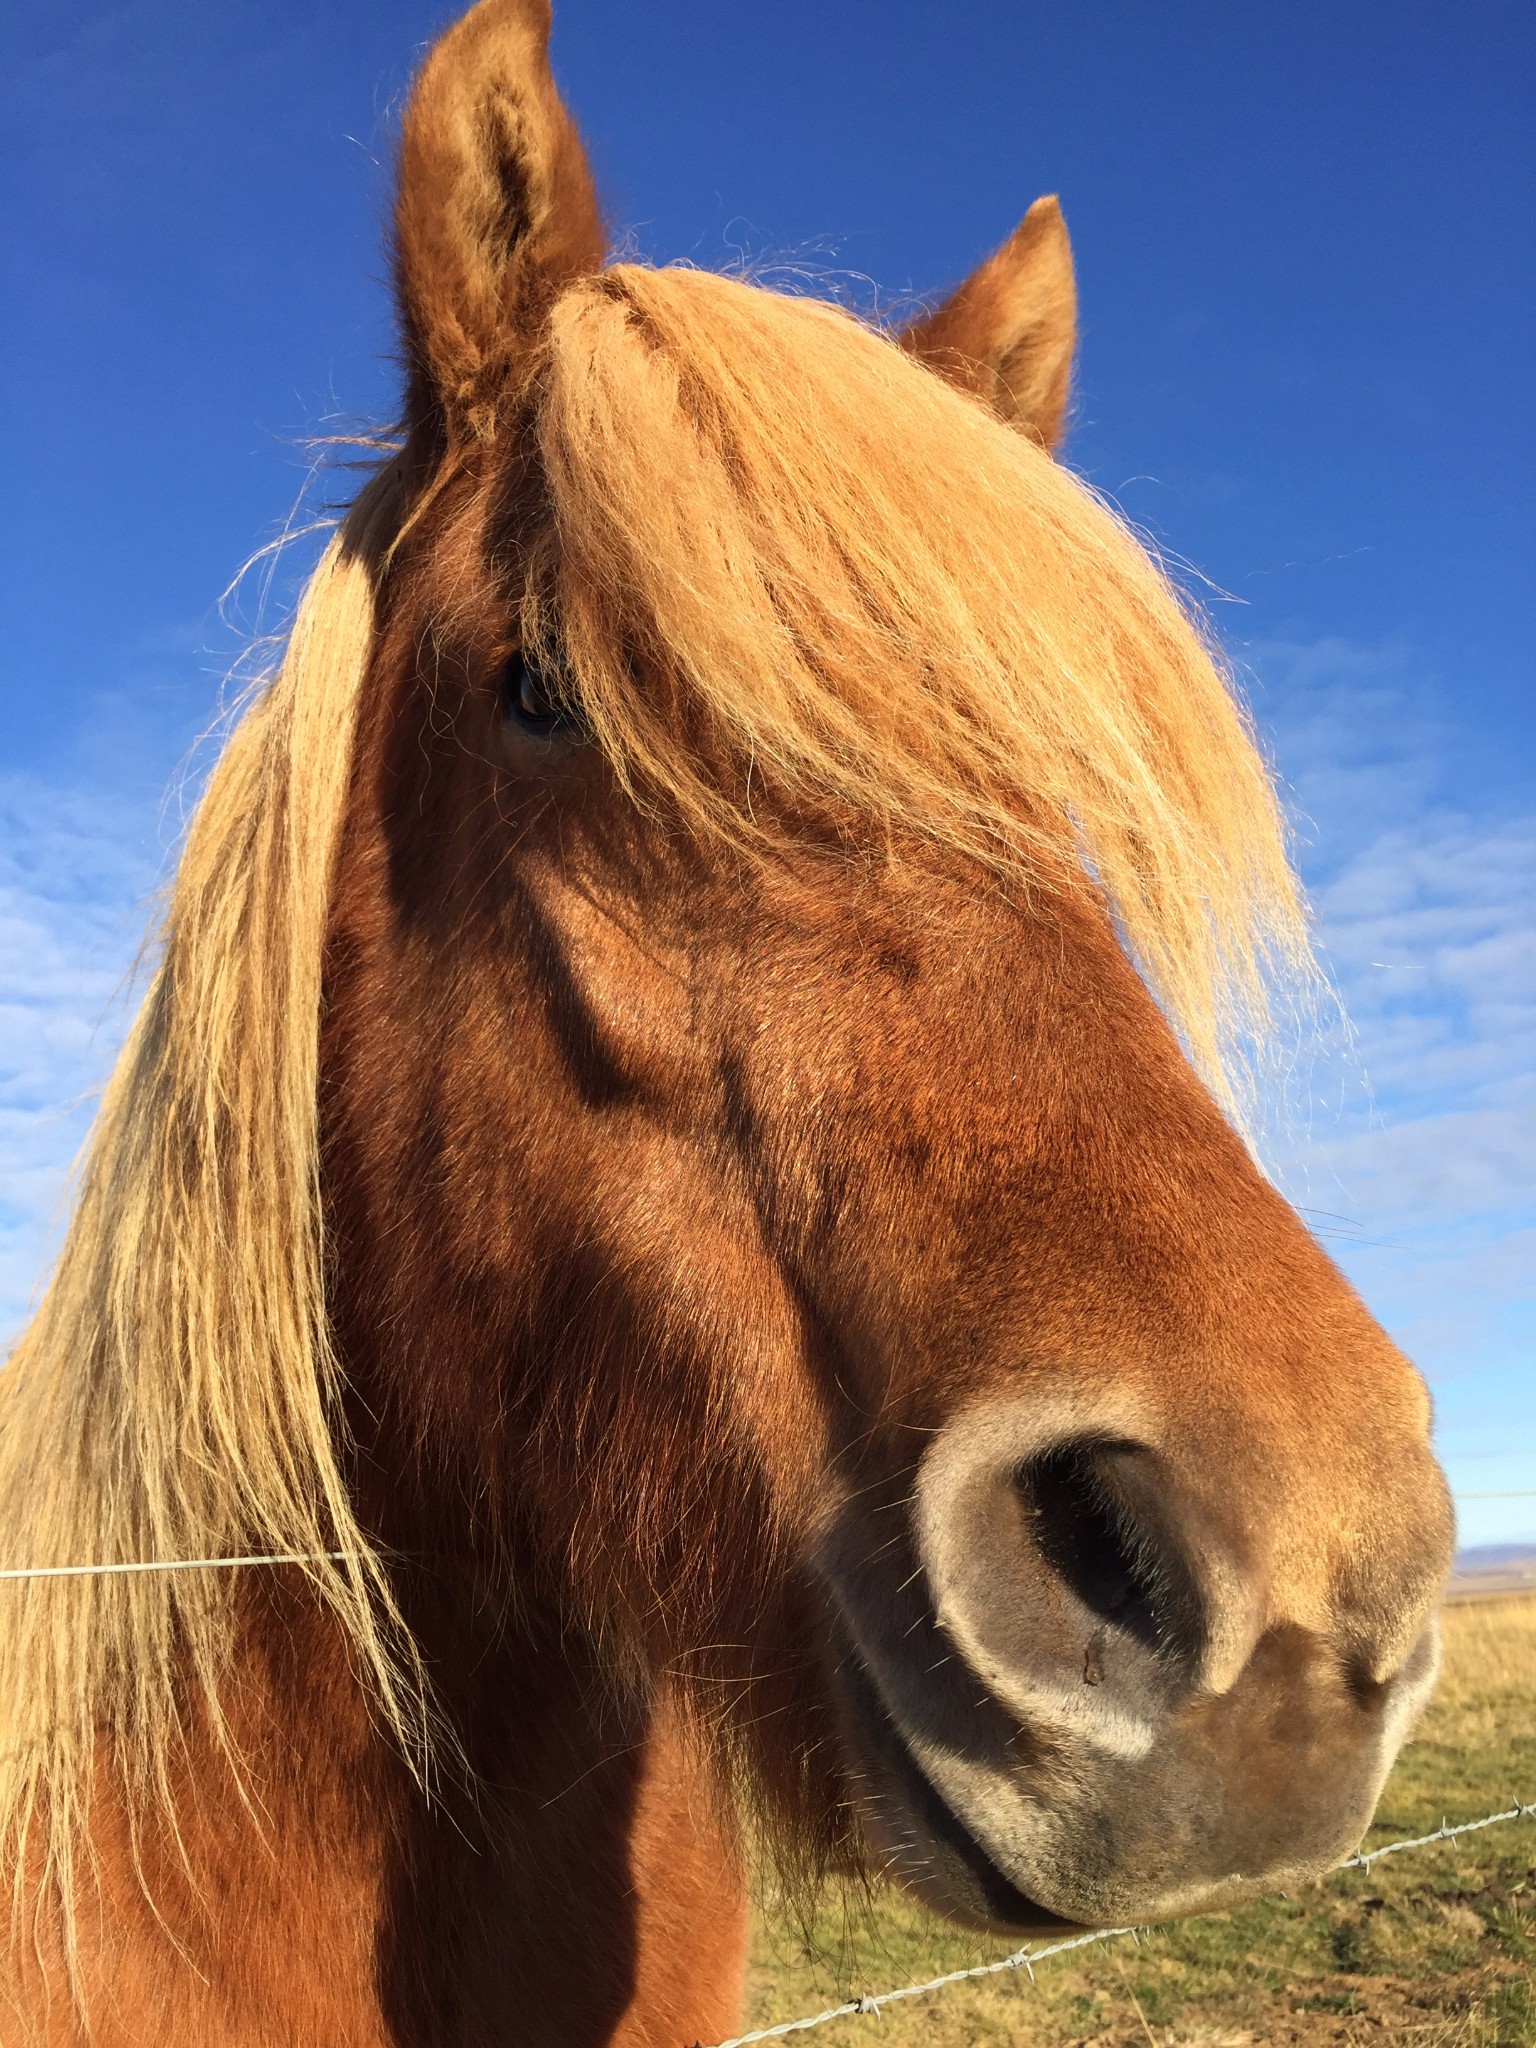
1073	1699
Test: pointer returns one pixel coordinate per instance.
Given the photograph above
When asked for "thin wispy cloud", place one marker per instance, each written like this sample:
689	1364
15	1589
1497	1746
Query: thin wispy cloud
1418	1167
78	866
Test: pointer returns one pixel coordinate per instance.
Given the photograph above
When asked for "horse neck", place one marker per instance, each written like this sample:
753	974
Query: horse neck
573	1890
571	1881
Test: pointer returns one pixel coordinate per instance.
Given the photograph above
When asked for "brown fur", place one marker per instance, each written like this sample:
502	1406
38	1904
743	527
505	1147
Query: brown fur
1009	332
496	212
736	1149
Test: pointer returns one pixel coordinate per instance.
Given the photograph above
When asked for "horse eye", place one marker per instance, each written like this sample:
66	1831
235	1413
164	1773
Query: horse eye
535	698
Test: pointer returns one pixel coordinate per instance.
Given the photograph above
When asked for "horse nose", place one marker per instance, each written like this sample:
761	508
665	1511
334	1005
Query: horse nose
1102	1578
1085	1583
1193	1716
1079	1566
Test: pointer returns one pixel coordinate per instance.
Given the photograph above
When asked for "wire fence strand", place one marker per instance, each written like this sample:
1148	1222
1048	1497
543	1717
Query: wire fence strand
872	2003
169	1564
209	1564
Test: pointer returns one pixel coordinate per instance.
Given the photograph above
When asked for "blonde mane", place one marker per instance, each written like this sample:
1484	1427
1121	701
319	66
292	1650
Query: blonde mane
174	1396
851	588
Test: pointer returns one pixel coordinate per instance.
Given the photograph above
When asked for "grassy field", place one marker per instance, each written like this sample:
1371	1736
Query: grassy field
1434	1949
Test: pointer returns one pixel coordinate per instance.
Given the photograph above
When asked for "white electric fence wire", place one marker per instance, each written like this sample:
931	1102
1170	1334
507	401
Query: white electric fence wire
209	1564
1026	1958
169	1564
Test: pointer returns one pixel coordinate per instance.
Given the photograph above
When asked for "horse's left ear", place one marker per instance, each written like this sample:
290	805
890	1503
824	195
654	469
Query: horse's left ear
495	213
1008	333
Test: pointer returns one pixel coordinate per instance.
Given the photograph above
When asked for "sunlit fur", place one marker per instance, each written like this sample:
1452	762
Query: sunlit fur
877	610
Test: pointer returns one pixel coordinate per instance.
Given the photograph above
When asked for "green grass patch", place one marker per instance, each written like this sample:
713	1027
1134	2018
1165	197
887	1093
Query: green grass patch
1433	1949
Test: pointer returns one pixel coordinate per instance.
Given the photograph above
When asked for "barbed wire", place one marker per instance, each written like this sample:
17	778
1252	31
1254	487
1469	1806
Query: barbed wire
1026	1958
1363	1859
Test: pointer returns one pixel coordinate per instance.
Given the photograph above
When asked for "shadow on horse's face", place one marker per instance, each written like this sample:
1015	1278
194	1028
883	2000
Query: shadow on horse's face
829	1279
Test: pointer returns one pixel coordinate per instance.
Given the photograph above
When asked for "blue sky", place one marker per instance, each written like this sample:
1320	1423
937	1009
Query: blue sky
1304	248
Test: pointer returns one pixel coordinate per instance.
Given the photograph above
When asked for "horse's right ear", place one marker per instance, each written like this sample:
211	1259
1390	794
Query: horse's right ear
495	214
1009	332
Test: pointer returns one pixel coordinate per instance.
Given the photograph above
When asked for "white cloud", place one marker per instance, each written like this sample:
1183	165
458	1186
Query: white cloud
1431	934
1438	1168
77	869
1421	1146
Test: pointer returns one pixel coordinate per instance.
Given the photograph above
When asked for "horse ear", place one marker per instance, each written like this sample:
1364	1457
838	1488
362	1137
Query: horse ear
1008	333
495	213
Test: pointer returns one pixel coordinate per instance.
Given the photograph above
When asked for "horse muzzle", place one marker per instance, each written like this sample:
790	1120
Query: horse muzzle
1082	1687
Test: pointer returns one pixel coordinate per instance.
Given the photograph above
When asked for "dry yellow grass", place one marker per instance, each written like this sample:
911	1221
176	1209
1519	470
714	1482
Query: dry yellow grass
1436	1948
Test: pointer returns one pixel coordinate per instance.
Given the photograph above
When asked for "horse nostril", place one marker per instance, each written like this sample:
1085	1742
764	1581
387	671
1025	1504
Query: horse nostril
1086	1534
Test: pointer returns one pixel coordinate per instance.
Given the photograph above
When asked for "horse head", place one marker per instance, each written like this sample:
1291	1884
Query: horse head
831	1267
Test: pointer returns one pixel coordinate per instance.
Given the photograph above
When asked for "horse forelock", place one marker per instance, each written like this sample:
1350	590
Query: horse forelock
870	599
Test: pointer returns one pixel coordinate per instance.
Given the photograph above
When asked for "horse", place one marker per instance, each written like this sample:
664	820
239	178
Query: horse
671	1261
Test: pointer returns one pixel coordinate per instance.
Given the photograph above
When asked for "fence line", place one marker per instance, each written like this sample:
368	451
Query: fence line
868	2003
1025	1958
169	1564
208	1564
